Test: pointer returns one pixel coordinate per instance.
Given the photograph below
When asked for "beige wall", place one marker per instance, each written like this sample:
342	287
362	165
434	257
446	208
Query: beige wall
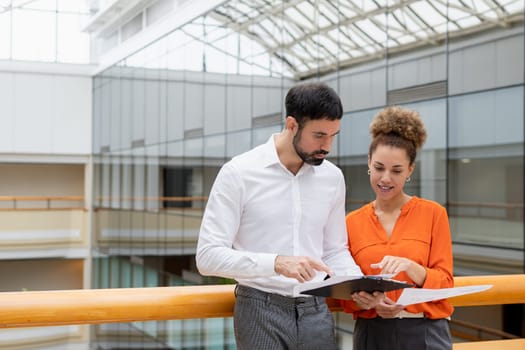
41	180
41	274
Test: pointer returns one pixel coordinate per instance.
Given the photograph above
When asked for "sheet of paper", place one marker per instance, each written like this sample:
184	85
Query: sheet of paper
411	296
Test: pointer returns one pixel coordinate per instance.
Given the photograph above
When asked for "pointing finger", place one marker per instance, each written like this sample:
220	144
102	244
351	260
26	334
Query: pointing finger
319	266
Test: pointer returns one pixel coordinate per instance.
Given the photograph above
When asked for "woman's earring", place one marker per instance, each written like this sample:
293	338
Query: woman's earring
408	179
368	172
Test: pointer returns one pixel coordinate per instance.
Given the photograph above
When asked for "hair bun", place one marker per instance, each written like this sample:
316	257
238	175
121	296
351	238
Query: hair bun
400	121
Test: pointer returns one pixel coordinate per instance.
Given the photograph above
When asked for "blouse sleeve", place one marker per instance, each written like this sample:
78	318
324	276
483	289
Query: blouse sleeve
440	260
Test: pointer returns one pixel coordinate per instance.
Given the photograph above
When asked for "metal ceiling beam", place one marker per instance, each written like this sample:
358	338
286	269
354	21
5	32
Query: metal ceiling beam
304	38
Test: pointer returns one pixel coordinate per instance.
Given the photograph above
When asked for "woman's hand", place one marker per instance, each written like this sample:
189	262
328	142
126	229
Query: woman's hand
396	264
367	301
388	309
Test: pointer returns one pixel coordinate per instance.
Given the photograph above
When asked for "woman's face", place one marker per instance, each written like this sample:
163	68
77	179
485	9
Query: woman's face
389	169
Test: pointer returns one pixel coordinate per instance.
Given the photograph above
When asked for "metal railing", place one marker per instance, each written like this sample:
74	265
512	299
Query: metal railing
477	209
41	202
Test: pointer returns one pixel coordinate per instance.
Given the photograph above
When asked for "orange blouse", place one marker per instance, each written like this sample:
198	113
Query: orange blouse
421	234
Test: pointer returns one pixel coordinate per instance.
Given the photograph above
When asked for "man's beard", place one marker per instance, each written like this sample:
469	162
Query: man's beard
308	158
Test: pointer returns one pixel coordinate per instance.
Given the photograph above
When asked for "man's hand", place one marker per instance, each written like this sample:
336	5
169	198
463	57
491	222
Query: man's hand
302	268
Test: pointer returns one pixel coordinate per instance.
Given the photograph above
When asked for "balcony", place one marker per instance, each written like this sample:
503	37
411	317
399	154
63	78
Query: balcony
43	227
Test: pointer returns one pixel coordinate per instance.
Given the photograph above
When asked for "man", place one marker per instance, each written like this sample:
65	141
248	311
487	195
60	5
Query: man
275	218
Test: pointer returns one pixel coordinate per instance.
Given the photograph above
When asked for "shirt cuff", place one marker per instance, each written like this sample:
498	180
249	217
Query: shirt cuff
266	264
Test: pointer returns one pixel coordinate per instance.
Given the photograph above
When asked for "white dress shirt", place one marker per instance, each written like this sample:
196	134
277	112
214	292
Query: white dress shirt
258	209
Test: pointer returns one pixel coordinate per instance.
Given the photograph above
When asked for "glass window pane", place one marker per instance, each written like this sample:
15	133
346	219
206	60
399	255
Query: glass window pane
72	43
261	135
35	41
237	142
80	6
485	169
5	35
49	5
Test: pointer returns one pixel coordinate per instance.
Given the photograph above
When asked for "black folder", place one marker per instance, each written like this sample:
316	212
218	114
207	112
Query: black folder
343	288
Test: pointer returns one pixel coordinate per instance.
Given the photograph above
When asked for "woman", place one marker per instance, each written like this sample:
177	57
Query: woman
402	235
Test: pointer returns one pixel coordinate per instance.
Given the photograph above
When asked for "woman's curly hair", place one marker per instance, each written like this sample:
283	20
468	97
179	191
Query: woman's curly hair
398	127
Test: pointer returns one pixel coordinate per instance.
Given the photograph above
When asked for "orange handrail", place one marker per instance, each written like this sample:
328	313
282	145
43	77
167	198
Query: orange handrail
66	307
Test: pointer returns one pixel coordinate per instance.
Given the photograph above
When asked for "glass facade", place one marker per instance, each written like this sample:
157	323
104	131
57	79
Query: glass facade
167	117
44	30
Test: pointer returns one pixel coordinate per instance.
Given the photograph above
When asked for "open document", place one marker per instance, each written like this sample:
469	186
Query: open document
342	287
420	295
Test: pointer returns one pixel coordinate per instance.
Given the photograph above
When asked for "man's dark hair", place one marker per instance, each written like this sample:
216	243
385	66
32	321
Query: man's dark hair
312	101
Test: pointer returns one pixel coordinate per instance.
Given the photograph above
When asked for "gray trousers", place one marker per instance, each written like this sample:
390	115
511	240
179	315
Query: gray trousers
271	321
402	334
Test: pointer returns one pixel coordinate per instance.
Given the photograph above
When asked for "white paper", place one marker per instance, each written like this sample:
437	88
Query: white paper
411	296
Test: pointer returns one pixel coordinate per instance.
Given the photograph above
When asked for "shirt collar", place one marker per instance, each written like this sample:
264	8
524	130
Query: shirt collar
271	157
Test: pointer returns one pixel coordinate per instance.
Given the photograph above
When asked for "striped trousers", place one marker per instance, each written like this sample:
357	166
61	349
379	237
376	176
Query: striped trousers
271	321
